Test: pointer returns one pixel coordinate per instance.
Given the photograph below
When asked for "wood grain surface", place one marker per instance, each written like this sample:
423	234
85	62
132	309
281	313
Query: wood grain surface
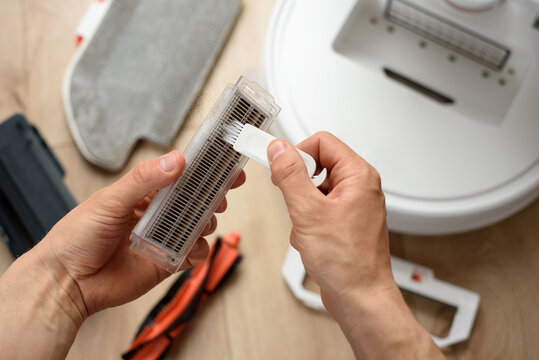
254	316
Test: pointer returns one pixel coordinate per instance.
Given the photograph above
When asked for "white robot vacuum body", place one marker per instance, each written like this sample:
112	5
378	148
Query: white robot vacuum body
440	96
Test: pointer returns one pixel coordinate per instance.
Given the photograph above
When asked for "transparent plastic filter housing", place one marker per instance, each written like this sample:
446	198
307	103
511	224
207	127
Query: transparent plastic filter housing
178	214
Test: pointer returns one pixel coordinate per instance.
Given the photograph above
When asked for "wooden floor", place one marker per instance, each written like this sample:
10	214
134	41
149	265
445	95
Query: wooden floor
254	316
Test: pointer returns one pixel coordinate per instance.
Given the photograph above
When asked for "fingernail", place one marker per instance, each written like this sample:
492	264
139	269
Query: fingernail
276	149
167	162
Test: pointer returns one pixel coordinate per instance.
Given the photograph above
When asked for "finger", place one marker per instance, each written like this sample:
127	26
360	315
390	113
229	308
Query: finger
327	149
143	204
198	253
240	180
222	206
210	226
147	177
289	173
339	159
152	195
138	215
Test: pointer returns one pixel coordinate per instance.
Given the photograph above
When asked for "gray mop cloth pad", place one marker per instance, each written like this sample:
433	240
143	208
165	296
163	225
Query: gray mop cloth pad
139	74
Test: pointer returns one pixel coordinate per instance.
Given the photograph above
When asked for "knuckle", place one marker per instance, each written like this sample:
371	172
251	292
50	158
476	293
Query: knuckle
103	201
102	196
138	174
375	184
297	212
374	176
99	194
286	170
368	182
369	174
296	242
323	134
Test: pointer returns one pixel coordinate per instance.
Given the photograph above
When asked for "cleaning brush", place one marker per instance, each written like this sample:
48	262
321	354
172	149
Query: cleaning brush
253	143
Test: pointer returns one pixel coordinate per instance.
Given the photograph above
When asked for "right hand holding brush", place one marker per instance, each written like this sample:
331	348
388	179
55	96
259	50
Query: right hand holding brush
341	233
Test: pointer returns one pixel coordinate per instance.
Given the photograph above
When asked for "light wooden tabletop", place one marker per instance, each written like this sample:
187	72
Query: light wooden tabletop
254	316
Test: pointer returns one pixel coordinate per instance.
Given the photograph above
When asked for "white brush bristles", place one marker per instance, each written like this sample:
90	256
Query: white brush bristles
232	131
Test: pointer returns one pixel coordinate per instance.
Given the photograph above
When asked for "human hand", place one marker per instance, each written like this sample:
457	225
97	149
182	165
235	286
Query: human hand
339	229
84	264
91	243
341	233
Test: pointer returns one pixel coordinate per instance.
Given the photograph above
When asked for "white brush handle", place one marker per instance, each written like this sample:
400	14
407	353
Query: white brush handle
253	143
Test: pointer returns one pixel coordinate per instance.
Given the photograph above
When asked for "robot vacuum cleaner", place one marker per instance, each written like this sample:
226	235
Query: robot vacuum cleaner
441	96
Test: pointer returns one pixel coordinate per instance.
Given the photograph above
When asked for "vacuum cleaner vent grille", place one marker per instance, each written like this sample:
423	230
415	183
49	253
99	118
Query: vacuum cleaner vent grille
447	33
176	217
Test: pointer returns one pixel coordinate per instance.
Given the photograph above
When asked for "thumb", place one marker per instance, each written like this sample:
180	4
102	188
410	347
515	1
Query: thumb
289	173
146	177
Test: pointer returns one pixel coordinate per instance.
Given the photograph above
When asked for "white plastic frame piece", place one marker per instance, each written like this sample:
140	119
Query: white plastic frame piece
294	274
92	18
408	276
421	281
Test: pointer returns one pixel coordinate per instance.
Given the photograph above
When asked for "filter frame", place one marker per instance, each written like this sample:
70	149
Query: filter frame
178	214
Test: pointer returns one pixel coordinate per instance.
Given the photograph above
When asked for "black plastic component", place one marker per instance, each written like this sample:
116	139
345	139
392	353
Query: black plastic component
33	196
425	90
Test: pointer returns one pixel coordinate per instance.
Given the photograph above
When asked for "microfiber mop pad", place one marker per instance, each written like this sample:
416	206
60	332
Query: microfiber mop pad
138	75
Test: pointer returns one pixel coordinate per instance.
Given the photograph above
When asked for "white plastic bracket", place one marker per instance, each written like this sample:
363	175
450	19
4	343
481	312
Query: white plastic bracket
294	274
408	276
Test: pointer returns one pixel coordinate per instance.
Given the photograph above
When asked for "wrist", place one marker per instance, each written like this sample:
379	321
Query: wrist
41	303
61	288
379	324
44	282
357	306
